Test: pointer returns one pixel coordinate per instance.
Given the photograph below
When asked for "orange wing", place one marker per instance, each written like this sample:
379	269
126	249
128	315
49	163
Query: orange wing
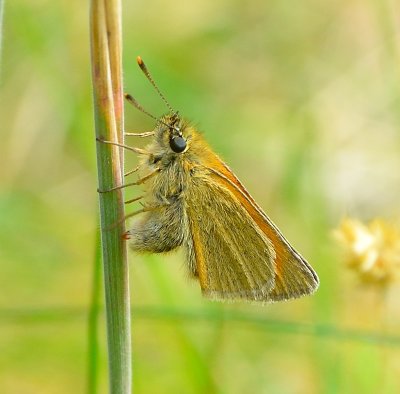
294	277
229	254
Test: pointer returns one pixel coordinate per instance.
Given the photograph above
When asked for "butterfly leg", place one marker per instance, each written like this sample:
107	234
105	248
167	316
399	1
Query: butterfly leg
131	148
138	182
136	169
142	135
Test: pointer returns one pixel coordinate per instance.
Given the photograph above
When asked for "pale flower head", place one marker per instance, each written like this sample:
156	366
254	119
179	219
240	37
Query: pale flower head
372	250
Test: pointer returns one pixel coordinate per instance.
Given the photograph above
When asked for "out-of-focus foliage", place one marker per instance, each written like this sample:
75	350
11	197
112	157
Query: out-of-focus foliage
300	99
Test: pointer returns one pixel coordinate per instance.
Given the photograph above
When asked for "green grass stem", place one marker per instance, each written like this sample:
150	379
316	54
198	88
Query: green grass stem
105	27
93	321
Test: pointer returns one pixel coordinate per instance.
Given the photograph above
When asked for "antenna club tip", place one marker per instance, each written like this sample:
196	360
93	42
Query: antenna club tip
139	61
127	96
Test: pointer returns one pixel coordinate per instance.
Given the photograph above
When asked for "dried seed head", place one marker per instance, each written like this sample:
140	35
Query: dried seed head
372	250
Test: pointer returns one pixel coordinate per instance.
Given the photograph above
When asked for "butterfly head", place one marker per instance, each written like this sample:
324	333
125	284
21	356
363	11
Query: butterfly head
173	133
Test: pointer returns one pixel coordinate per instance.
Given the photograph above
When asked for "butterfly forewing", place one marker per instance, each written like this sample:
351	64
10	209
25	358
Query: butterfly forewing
293	276
234	258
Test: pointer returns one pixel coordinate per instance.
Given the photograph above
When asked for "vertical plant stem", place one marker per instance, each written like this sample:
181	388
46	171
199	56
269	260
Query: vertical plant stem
107	93
93	321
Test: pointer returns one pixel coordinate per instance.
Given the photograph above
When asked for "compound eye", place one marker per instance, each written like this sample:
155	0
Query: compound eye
177	144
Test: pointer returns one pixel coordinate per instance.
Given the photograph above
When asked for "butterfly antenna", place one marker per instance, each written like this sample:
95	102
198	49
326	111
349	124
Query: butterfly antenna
133	101
151	80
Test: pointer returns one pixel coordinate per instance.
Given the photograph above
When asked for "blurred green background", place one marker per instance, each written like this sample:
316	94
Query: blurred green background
300	98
